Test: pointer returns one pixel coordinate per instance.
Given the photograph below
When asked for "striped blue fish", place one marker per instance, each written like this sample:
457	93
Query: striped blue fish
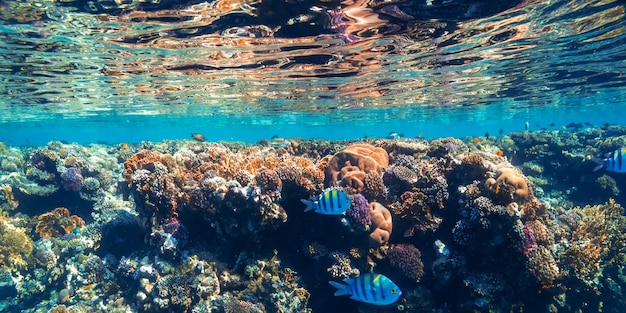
369	288
329	202
613	162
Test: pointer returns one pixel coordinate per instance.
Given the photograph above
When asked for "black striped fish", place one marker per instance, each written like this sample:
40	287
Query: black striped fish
329	202
369	288
613	162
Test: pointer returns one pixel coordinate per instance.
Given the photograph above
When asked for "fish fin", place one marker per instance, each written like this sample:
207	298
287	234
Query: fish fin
310	205
600	163
342	289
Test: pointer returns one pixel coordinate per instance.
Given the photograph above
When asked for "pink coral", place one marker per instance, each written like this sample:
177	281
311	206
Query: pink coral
381	224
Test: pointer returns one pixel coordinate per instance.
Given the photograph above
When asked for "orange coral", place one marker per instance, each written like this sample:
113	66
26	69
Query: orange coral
381	223
146	158
57	222
511	181
350	165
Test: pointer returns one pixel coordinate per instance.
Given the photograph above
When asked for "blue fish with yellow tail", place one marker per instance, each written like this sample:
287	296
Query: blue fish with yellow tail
371	288
613	162
329	202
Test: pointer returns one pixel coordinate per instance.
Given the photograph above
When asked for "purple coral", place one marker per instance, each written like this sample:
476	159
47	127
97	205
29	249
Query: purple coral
529	241
72	179
360	210
408	259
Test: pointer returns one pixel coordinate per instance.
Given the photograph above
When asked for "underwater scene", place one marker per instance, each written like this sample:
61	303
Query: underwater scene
260	156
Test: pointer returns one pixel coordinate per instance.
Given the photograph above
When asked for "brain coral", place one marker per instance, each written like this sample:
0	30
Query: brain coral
381	224
352	164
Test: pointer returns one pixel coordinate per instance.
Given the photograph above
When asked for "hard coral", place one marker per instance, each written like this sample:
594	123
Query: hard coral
57	222
72	179
512	184
381	224
350	165
418	210
15	245
360	210
406	258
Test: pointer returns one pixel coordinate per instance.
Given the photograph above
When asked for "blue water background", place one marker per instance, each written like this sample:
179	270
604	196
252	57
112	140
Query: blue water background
354	123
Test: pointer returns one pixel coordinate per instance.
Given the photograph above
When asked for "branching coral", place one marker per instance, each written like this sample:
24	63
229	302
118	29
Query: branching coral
597	243
414	208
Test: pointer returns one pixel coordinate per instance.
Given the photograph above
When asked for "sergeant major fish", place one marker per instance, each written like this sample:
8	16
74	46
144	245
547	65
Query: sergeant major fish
369	288
329	202
613	162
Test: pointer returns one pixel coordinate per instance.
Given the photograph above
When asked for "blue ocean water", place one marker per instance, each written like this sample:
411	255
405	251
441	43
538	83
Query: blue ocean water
503	108
150	73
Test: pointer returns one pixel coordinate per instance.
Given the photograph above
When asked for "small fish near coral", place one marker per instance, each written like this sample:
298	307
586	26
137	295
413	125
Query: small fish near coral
198	137
394	135
612	162
370	288
329	202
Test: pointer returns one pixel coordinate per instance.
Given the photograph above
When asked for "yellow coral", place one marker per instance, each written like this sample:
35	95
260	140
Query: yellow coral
594	241
15	245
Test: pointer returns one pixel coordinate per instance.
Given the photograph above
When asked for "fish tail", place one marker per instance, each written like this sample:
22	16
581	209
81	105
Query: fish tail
310	205
600	163
342	289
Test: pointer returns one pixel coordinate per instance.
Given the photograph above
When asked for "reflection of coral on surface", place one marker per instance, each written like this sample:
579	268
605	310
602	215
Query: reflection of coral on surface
350	166
58	222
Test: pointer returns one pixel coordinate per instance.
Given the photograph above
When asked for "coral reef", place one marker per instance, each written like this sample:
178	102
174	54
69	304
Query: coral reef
199	226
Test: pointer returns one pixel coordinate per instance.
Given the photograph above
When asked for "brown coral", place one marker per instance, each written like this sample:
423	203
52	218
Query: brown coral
381	224
57	222
352	164
510	183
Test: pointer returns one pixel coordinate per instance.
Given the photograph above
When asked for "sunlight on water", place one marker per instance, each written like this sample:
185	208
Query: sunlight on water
97	59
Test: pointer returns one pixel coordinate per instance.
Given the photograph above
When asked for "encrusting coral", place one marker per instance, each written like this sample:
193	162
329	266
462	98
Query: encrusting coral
58	222
349	166
382	224
510	184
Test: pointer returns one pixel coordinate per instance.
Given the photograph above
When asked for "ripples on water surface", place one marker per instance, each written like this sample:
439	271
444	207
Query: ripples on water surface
237	60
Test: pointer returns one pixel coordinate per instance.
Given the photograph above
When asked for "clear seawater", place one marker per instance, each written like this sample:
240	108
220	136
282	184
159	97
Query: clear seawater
89	71
122	72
